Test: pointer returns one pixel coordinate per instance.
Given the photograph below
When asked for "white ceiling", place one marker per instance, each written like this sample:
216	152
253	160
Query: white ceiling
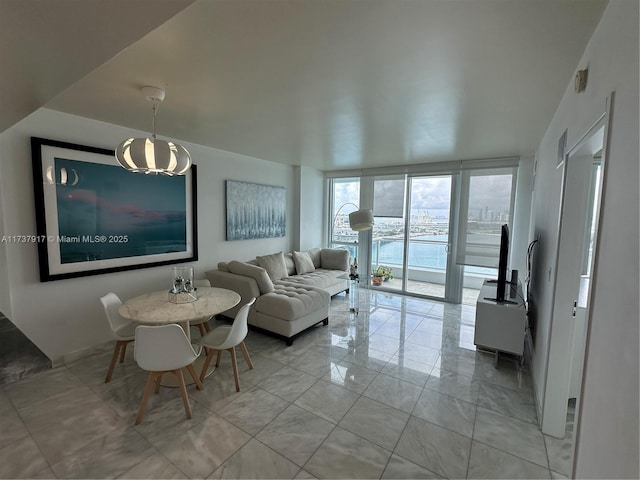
335	84
46	45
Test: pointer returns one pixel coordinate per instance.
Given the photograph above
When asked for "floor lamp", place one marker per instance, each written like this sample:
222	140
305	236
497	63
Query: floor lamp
359	221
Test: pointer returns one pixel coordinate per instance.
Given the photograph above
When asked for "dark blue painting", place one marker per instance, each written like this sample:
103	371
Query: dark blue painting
94	217
106	212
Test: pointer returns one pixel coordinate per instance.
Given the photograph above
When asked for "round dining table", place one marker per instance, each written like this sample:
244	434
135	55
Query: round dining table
155	309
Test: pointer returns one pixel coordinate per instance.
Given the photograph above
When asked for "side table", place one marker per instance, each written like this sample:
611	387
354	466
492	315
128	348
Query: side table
354	293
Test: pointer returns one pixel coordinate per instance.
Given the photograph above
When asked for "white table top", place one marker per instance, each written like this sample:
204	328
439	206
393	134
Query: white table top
155	308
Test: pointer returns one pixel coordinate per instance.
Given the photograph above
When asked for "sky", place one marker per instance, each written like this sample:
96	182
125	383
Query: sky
431	193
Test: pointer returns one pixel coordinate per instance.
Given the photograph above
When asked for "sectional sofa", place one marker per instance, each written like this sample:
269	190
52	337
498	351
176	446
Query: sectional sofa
292	290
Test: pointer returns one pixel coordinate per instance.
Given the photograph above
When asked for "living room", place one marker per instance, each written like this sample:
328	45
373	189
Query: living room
65	320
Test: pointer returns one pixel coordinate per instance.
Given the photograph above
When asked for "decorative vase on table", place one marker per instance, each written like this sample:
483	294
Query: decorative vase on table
377	280
182	289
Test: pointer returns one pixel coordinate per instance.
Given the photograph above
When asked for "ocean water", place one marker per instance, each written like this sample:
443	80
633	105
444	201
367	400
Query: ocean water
421	255
425	255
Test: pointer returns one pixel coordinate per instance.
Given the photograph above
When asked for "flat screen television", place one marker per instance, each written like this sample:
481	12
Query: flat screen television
502	263
503	258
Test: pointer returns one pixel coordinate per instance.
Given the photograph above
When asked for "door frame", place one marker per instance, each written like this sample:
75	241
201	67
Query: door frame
452	281
556	396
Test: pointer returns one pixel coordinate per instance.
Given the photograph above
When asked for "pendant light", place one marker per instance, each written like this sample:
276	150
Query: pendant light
151	155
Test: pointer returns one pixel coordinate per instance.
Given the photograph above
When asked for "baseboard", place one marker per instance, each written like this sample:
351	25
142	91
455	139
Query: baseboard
76	355
529	354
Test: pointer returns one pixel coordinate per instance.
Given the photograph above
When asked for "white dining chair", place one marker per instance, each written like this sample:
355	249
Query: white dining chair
122	330
228	337
165	349
202	324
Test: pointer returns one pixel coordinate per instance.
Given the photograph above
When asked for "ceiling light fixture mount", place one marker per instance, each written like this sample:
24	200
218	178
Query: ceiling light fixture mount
150	155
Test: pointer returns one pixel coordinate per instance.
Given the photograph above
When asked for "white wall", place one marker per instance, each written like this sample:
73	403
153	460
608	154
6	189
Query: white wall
5	299
521	217
312	215
607	431
64	317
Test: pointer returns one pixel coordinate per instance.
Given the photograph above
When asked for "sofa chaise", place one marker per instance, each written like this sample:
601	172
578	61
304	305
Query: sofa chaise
292	290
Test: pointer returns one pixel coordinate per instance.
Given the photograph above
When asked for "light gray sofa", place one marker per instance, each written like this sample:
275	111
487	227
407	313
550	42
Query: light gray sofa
292	290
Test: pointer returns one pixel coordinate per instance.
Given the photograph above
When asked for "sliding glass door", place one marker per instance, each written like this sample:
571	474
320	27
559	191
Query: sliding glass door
429	242
410	243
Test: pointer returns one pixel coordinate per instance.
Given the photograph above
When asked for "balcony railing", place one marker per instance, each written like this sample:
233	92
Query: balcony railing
427	260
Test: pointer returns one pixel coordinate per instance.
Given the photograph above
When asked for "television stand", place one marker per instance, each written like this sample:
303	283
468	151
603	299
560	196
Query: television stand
500	326
500	301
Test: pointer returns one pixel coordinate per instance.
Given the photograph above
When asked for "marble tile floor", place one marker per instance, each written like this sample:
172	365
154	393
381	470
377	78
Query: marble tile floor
19	357
398	391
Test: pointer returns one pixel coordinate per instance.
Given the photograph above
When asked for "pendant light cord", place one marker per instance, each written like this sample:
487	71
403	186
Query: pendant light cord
155	110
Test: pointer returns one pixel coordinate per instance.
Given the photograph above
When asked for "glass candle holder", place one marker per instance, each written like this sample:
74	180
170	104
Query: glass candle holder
182	281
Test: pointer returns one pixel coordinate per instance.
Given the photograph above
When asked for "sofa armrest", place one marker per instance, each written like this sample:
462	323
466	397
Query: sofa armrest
246	287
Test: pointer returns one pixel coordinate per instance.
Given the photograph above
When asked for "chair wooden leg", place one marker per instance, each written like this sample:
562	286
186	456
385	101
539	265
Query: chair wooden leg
119	350
219	358
112	365
123	350
232	351
245	352
183	392
201	329
206	326
158	382
206	364
195	377
145	397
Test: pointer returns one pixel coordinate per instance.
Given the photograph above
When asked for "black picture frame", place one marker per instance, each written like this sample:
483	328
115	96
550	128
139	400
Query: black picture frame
94	217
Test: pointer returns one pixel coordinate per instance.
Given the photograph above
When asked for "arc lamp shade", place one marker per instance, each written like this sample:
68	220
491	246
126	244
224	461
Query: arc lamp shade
361	220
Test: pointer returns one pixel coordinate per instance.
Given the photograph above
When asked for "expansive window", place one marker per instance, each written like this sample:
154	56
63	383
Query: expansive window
438	232
388	234
345	198
486	204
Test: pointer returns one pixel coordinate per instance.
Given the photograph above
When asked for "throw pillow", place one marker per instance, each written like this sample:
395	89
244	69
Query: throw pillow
333	259
291	265
314	253
259	274
274	265
303	262
223	267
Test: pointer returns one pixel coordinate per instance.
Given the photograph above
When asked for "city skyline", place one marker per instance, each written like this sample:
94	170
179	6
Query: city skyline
489	197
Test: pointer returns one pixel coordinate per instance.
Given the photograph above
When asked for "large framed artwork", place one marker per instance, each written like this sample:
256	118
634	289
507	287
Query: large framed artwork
255	211
94	217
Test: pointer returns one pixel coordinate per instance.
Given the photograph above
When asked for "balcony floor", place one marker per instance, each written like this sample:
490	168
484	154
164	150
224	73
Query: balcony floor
469	295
